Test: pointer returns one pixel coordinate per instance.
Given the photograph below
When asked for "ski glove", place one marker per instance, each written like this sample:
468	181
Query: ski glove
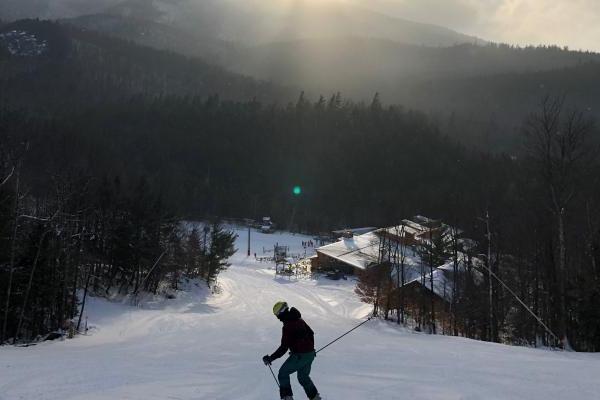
267	360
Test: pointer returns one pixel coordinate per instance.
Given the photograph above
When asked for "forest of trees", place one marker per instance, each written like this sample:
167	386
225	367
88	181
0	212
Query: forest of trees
86	233
537	254
358	164
479	96
99	164
82	69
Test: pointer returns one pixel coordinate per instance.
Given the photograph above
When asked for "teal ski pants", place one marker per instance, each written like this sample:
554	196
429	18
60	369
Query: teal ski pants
300	363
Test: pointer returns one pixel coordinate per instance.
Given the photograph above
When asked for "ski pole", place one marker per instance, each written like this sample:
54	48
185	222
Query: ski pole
272	373
335	340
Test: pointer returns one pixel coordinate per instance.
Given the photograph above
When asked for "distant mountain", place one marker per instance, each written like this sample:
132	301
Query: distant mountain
261	21
82	67
11	10
319	48
359	67
220	30
155	34
489	111
478	94
247	21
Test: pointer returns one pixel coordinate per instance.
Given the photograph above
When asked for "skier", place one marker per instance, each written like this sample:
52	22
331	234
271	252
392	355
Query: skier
299	339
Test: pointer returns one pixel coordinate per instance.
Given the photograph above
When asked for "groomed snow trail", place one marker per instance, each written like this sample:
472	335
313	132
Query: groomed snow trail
201	346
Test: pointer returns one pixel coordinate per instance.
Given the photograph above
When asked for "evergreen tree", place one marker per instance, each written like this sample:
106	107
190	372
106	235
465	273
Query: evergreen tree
221	247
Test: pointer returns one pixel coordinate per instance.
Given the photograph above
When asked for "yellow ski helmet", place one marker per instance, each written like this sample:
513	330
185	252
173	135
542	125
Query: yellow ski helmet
279	307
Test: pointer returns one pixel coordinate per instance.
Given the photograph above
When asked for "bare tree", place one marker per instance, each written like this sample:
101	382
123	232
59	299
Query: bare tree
28	290
11	160
557	145
431	287
591	239
13	247
455	267
401	273
488	235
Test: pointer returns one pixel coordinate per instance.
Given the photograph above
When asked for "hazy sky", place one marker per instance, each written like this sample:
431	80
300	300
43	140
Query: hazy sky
575	23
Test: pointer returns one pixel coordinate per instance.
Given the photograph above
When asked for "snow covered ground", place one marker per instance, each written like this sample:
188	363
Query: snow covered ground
203	346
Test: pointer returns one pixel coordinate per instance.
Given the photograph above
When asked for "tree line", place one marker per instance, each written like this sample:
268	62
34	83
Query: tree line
533	277
82	235
358	164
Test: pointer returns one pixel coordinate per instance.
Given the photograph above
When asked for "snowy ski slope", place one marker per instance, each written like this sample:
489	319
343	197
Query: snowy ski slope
201	346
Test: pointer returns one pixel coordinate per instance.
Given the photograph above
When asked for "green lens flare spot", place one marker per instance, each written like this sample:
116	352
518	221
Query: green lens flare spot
297	190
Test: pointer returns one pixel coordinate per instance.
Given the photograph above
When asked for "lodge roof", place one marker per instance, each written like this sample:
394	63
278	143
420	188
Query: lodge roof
362	251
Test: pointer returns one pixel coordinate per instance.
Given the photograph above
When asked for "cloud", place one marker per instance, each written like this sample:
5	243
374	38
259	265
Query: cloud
573	23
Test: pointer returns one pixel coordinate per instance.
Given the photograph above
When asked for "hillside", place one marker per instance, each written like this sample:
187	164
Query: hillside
479	95
154	34
82	67
222	30
11	10
204	346
361	45
361	66
249	21
461	85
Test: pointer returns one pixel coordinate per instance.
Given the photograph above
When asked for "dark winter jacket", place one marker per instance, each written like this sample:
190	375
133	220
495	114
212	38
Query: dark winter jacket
296	336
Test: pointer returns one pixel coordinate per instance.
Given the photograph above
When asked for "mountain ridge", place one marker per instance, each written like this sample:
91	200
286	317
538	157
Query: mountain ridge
85	64
246	21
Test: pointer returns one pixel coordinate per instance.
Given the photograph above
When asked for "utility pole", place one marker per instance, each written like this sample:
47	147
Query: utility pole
248	240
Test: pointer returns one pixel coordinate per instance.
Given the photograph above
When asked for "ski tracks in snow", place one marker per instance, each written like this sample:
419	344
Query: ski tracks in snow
203	346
